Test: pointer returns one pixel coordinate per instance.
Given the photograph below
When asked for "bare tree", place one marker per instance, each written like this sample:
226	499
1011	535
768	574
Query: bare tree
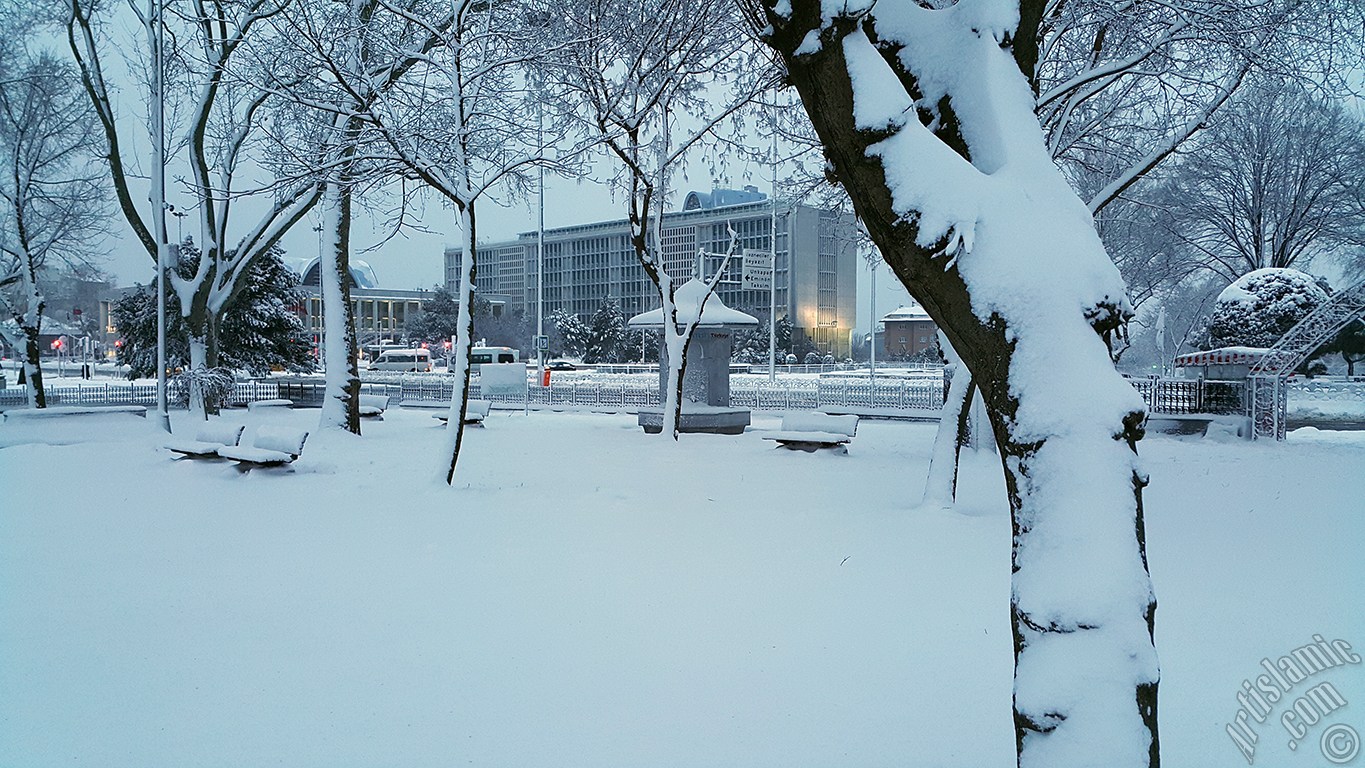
460	121
654	79
927	120
53	195
335	63
1275	182
1123	86
207	42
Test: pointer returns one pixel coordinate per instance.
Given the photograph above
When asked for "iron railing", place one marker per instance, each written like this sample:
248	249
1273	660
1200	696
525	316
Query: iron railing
912	397
1181	396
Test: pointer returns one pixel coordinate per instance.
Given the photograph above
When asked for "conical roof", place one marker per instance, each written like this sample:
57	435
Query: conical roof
688	298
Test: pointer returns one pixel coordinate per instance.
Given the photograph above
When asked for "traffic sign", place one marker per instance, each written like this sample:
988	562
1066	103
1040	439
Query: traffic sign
758	271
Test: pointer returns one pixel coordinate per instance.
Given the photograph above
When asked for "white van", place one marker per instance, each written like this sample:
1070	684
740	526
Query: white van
406	360
480	355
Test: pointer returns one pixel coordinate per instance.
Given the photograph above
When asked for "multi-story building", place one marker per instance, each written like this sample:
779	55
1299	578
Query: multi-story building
814	278
909	331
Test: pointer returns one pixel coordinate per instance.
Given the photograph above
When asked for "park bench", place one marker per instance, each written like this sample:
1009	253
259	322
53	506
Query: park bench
211	437
64	411
372	406
270	448
261	405
71	424
809	431
475	411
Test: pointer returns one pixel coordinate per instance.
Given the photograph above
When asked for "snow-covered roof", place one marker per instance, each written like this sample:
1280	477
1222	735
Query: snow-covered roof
688	297
1222	356
361	271
902	314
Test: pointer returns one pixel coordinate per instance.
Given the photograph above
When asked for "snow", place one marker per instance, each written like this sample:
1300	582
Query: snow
1026	248
690	297
554	609
1243	289
1259	307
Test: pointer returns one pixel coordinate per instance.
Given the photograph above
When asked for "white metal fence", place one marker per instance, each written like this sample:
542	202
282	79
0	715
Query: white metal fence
919	397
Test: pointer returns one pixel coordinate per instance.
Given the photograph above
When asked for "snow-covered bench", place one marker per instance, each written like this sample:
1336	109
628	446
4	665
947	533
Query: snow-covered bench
210	438
372	406
63	411
261	405
271	448
74	424
808	431
475	411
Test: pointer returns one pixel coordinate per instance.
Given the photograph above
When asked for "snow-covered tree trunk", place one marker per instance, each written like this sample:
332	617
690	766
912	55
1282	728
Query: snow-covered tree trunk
199	364
675	342
459	397
28	323
33	369
940	487
340	404
926	118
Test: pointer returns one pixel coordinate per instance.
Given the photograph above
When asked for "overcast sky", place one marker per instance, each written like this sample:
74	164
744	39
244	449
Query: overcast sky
414	259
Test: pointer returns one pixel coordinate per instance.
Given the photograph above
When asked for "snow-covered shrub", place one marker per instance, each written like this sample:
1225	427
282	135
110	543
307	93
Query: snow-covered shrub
215	383
1260	307
812	358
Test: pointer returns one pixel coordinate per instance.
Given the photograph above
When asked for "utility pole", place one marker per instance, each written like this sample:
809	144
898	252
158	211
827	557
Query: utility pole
772	289
872	347
540	243
158	34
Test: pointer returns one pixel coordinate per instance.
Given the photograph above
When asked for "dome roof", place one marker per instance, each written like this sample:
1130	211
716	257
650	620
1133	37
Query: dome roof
719	198
310	271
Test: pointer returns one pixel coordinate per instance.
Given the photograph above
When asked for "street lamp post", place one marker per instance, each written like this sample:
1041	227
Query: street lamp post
772	240
540	245
872	348
159	204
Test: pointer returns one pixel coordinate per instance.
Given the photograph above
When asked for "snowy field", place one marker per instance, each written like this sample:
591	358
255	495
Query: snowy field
588	595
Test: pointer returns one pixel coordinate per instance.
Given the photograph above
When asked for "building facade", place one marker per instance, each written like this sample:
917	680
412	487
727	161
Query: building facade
814	278
907	332
381	314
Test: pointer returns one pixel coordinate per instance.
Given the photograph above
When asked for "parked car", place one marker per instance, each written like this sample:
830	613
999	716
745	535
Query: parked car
561	365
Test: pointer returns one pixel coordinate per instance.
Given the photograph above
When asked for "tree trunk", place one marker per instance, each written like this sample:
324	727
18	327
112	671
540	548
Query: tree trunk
464	341
940	488
341	405
33	369
198	363
1066	424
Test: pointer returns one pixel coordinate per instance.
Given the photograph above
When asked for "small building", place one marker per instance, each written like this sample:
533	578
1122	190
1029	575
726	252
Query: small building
908	331
705	403
1222	364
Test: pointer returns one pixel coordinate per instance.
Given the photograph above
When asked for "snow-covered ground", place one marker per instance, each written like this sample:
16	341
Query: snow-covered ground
588	595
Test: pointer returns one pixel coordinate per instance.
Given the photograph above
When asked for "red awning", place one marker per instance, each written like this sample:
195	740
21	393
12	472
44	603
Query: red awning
1224	356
